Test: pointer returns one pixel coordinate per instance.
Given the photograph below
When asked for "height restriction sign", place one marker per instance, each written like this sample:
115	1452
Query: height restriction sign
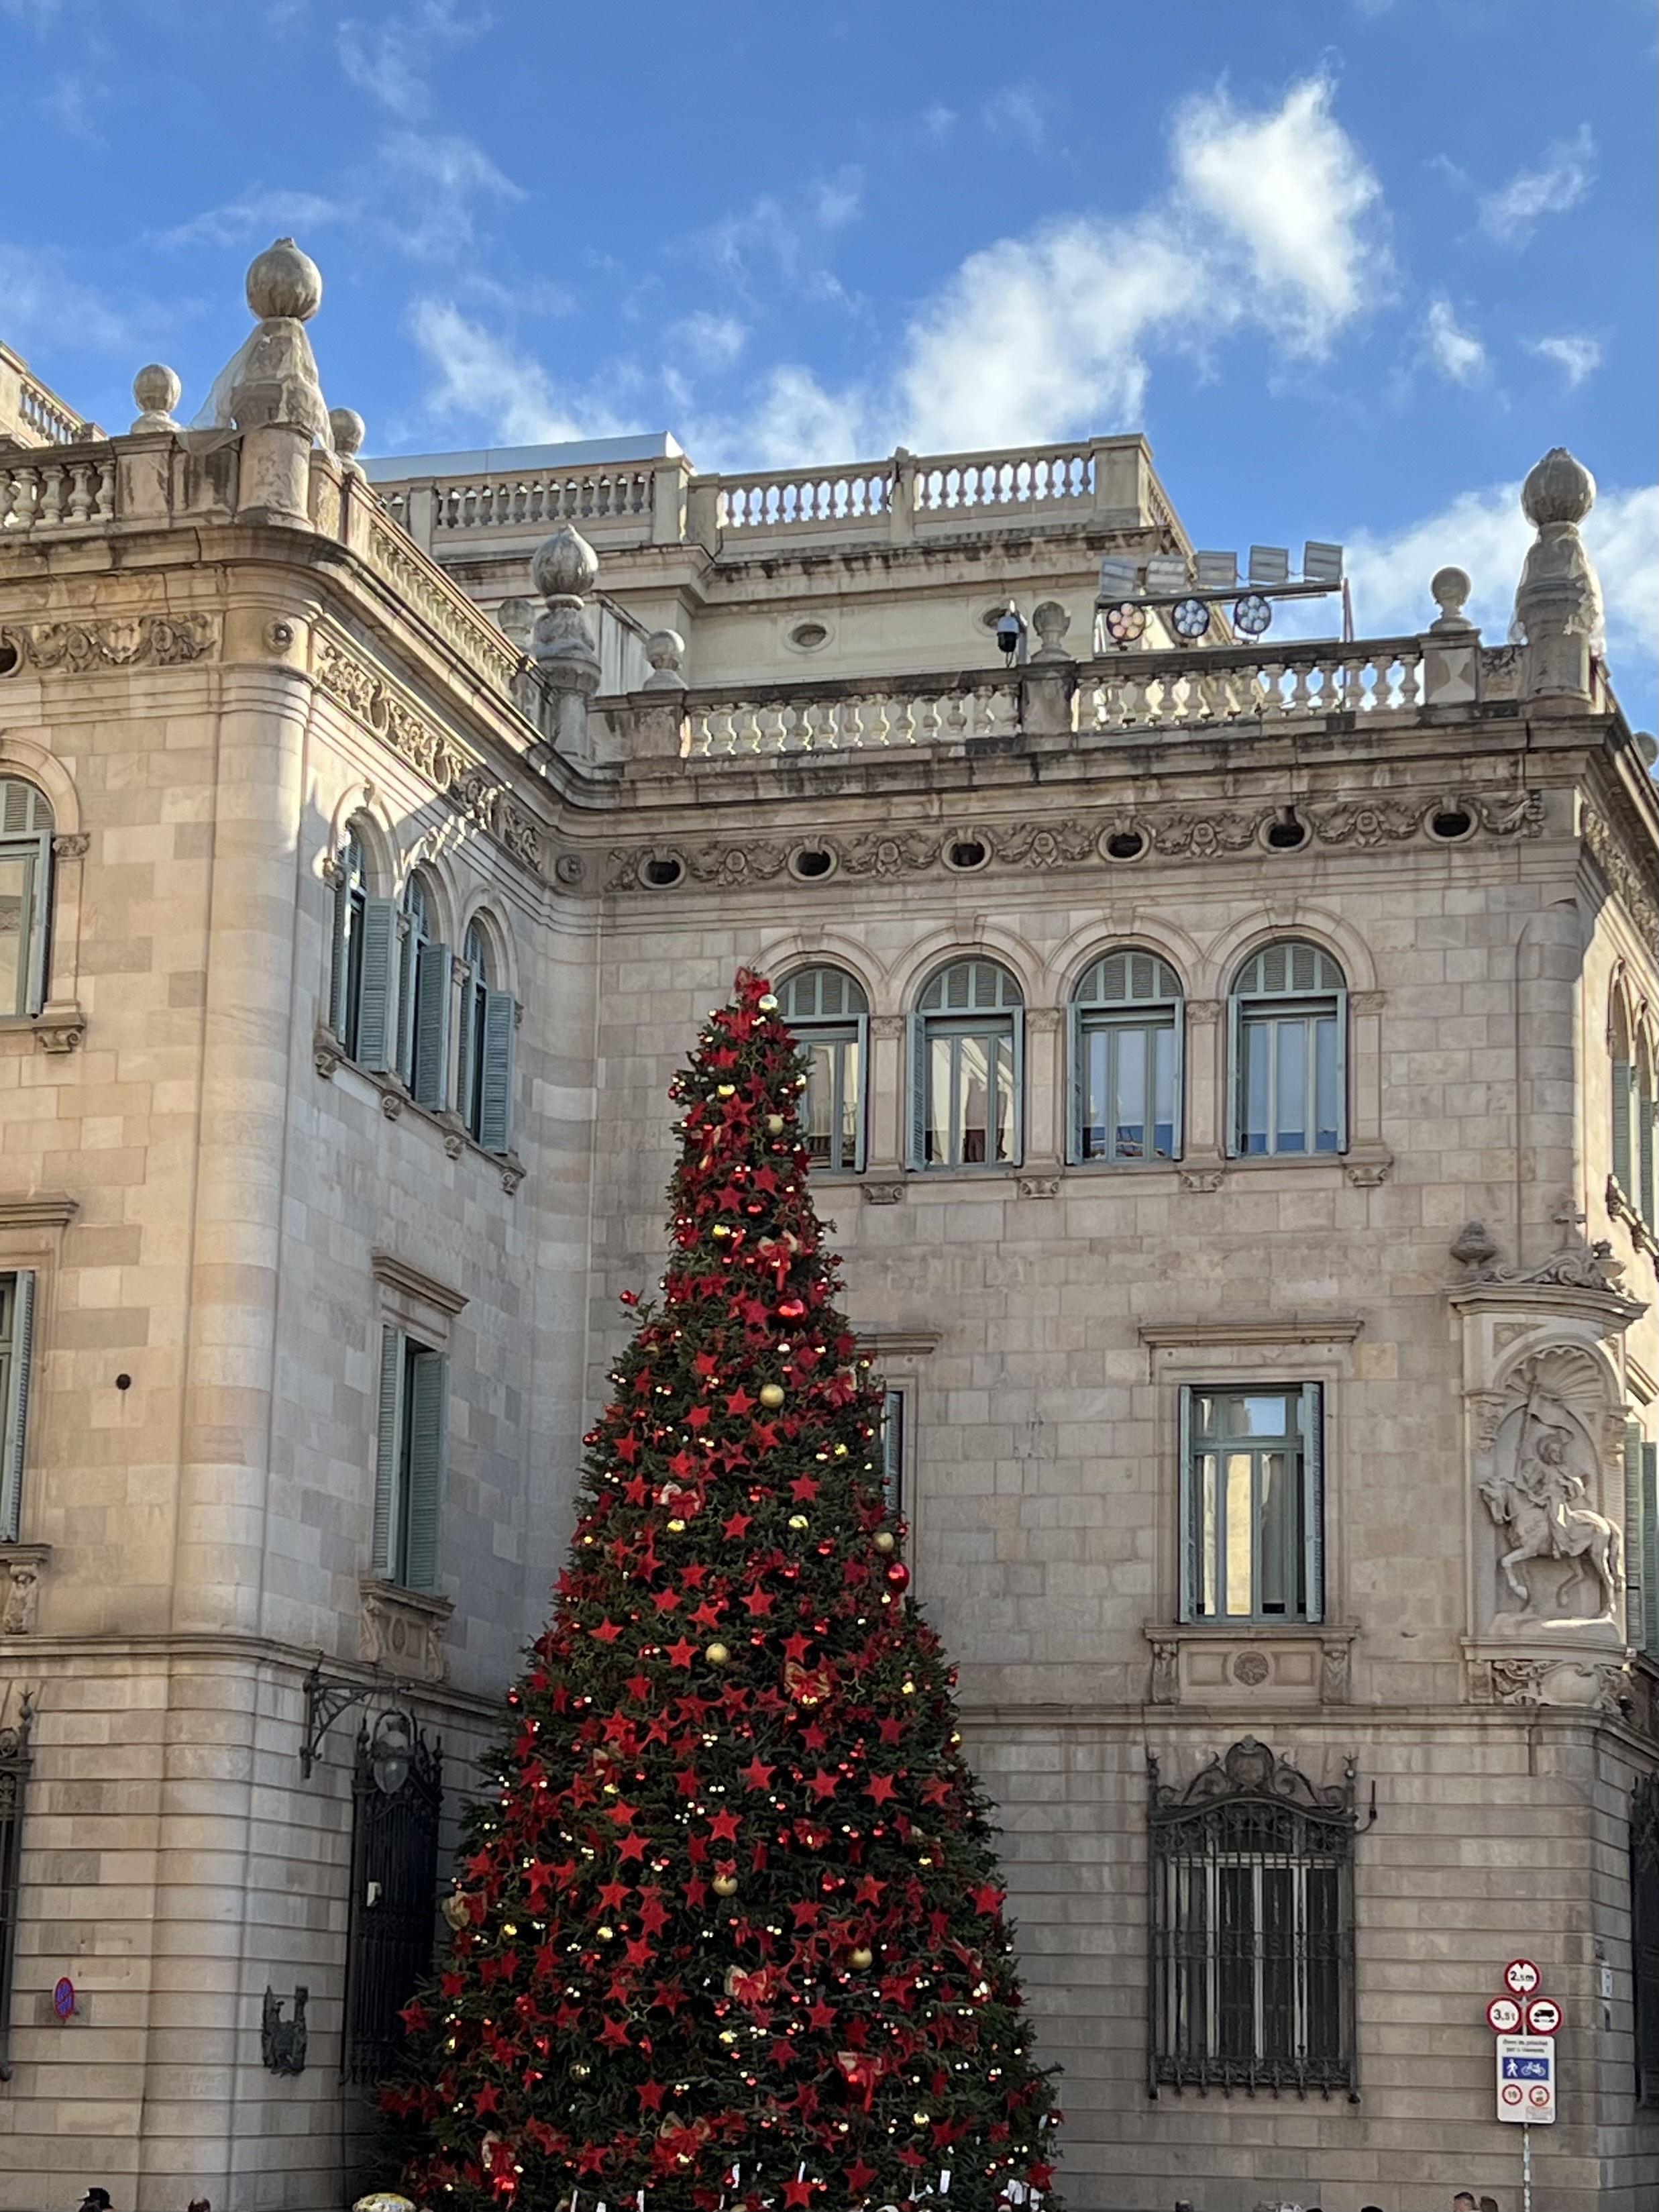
1526	2080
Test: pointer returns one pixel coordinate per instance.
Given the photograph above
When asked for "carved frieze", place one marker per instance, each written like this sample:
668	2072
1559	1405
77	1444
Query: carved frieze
403	1631
1073	843
1623	877
158	641
434	754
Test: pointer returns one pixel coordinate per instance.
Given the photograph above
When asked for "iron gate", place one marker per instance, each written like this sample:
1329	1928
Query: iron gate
13	1774
1644	1933
397	1797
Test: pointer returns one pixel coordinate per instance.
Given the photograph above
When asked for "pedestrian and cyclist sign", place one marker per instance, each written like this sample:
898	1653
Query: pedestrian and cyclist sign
1526	2080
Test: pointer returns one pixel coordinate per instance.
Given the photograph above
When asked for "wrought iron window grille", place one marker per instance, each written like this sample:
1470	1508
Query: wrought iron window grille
14	1762
1252	1928
1644	1933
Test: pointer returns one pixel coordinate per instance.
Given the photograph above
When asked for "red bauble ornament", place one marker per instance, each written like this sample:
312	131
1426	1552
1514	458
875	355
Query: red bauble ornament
898	1575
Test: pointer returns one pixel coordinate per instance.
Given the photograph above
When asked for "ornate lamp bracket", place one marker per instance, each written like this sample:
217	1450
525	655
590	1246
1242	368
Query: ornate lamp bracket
325	1700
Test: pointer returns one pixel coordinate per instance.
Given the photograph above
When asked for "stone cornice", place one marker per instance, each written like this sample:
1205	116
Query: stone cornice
1335	1328
399	1275
47	1210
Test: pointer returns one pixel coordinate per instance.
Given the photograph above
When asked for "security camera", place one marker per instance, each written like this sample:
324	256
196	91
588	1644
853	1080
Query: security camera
1009	633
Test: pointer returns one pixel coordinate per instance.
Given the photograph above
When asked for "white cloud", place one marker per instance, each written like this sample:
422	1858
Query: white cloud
389	60
1485	533
1290	188
432	185
483	381
1456	352
39	304
259	214
711	341
1511	214
1577	357
1015	112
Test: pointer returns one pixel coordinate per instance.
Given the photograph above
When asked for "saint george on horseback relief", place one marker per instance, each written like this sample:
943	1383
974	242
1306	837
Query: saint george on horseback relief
1560	1560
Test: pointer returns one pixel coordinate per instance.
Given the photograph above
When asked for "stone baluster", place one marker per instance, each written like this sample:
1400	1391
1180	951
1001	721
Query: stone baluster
52	495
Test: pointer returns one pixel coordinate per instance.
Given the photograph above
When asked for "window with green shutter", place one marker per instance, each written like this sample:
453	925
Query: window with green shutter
1641	1541
363	990
1126	1060
1252	1503
489	1023
17	1347
26	830
1288	1021
966	1046
830	1014
424	992
411	1457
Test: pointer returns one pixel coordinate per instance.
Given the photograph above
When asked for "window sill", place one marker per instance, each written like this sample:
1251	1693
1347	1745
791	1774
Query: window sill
59	1026
328	1056
1202	1662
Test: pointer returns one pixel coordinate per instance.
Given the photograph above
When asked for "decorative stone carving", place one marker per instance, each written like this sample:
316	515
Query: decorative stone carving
1366	1175
1203	1010
403	1631
1335	1671
887	1026
513	1173
326	1052
1575	1265
391	1102
1558	602
283	2042
564	568
77	648
1367	1002
1051	622
1201	1179
22	1566
274	382
1584	1684
71	845
1625	878
1252	1669
882	1193
1038	1186
157	390
59	1027
437	755
348	430
1165	1687
1044	1021
1072	844
1544	1462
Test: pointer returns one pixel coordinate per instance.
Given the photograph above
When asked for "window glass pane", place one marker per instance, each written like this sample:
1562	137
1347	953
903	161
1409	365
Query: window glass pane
1096	1045
1129	1096
1290	1086
1277	1946
1327	1101
1209	1603
1003	1096
1163	1093
1255	1042
1239	1580
974	1079
941	1063
819	1105
1275	1524
1236	1963
849	1080
1267	1417
16	874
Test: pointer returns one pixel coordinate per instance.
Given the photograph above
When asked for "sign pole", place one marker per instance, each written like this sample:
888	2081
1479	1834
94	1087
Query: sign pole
1526	2169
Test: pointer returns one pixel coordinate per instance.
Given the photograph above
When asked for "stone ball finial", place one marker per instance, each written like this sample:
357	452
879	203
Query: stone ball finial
665	650
1050	621
564	566
1449	589
1558	489
348	429
157	390
283	281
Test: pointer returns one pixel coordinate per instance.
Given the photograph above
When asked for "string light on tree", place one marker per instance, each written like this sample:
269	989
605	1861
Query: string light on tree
731	1934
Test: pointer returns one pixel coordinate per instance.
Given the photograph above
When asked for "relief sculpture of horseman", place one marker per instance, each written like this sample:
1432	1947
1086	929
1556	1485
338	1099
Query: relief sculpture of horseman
1536	1501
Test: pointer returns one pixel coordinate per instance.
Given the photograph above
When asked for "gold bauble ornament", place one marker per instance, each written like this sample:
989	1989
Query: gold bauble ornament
676	1528
605	1934
720	1230
861	1960
726	1090
716	1655
922	2118
884	1540
581	2071
771	1395
799	1521
775	1125
724	1885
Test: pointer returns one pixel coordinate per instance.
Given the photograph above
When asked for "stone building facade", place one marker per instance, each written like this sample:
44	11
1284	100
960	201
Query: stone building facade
1234	1071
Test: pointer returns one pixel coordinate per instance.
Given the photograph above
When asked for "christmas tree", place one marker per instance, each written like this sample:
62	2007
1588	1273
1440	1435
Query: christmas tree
730	1931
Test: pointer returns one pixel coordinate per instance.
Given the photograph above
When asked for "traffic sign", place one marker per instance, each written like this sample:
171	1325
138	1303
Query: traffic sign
1502	2016
1543	2016
63	1999
1526	2080
1521	1978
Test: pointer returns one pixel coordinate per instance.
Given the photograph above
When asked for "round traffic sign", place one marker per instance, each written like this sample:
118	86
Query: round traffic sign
1543	2016
1502	2016
1539	2093
63	1999
1521	1978
1510	2092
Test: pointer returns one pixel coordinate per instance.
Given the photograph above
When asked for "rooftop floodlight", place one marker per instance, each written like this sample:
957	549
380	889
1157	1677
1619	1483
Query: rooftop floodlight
1217	572
1270	564
1166	573
1321	564
1117	576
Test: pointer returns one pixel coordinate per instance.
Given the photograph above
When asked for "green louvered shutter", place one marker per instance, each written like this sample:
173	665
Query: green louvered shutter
917	1115
1313	1498
16	1404
388	1453
1622	1073
500	1020
1192	1574
1233	1145
892	1449
430	1066
1651	1549
1647	1167
377	1034
428	1426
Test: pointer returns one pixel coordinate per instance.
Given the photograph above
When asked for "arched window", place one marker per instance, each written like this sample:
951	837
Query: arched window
362	998
1646	1192
966	1045
489	1021
1126	1060
424	1000
1289	1022
26	827
828	1012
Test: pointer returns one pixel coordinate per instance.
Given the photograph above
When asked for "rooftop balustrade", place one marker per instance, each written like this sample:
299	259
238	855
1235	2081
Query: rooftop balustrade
31	413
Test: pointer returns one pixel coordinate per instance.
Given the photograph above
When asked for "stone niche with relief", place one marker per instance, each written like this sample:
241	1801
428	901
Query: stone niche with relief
403	1631
1214	1665
1543	1395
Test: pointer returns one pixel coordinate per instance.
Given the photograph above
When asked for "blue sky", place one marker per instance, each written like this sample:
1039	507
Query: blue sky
1352	265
